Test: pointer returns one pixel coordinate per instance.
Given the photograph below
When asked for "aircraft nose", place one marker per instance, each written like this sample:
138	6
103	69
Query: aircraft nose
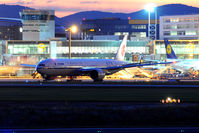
39	67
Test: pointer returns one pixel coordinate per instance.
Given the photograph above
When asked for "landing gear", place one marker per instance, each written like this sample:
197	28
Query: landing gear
36	75
46	78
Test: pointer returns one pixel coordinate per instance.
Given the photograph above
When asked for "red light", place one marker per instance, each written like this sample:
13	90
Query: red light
84	19
129	18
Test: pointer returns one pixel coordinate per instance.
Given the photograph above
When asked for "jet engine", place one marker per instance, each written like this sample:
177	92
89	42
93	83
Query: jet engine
49	77
97	74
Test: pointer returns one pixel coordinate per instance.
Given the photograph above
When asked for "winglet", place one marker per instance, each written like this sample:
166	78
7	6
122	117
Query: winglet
169	50
121	50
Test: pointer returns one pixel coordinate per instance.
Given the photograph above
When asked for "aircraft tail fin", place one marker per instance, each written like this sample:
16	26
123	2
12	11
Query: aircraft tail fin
169	50
121	50
141	59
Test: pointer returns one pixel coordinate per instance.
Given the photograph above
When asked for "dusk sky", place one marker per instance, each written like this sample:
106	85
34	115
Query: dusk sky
67	7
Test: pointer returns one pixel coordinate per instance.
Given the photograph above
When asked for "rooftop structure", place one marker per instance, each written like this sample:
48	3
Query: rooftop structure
38	24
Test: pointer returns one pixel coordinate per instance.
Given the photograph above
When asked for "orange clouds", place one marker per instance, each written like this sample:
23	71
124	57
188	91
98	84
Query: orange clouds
66	7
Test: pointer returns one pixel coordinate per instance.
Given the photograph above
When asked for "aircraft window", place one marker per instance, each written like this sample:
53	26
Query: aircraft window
60	63
41	64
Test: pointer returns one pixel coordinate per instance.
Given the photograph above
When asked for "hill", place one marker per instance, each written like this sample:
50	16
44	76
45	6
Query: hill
12	11
170	9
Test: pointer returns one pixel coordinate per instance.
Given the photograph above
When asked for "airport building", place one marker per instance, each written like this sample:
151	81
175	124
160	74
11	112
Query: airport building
18	52
34	49
10	29
184	49
24	51
38	25
180	27
137	29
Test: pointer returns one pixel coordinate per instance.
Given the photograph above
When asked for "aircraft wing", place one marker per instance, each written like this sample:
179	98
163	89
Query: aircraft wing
28	65
116	68
135	65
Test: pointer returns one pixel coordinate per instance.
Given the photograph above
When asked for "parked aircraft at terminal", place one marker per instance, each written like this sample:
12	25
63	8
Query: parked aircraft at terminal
97	69
185	65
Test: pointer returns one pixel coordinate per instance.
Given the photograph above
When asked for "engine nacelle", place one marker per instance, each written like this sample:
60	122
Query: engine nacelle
49	77
97	74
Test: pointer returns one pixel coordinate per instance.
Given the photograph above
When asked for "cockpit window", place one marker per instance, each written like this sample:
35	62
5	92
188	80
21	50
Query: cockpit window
41	64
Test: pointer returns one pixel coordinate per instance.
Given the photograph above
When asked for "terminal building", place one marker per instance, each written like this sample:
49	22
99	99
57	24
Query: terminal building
37	48
10	29
24	51
184	49
116	26
38	25
180	27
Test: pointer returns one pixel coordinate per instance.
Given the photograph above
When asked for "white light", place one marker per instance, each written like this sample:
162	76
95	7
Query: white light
169	99
21	29
150	7
74	29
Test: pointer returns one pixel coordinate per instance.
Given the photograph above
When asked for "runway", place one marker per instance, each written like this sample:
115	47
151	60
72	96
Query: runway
108	130
86	90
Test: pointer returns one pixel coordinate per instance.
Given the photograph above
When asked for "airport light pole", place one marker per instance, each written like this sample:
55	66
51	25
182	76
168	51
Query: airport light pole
72	29
150	8
156	21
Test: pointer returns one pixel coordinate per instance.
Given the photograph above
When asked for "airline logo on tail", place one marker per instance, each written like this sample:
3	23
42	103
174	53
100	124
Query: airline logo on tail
121	50
141	60
169	51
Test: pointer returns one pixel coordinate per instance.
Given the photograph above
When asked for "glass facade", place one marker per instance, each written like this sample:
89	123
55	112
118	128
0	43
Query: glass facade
184	27
38	17
184	19
138	26
183	49
80	49
26	51
116	26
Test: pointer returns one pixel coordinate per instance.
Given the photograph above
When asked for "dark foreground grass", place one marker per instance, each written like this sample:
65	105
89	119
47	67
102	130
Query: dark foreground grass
63	115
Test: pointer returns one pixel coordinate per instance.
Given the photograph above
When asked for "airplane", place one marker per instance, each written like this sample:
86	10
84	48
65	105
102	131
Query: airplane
183	65
97	69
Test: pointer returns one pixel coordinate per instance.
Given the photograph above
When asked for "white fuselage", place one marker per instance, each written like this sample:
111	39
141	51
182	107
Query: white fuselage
186	65
72	67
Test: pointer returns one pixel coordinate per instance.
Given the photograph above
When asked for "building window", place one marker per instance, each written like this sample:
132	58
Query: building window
139	34
166	33
174	27
173	33
174	20
121	33
166	27
180	32
121	27
138	26
190	33
167	20
117	33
